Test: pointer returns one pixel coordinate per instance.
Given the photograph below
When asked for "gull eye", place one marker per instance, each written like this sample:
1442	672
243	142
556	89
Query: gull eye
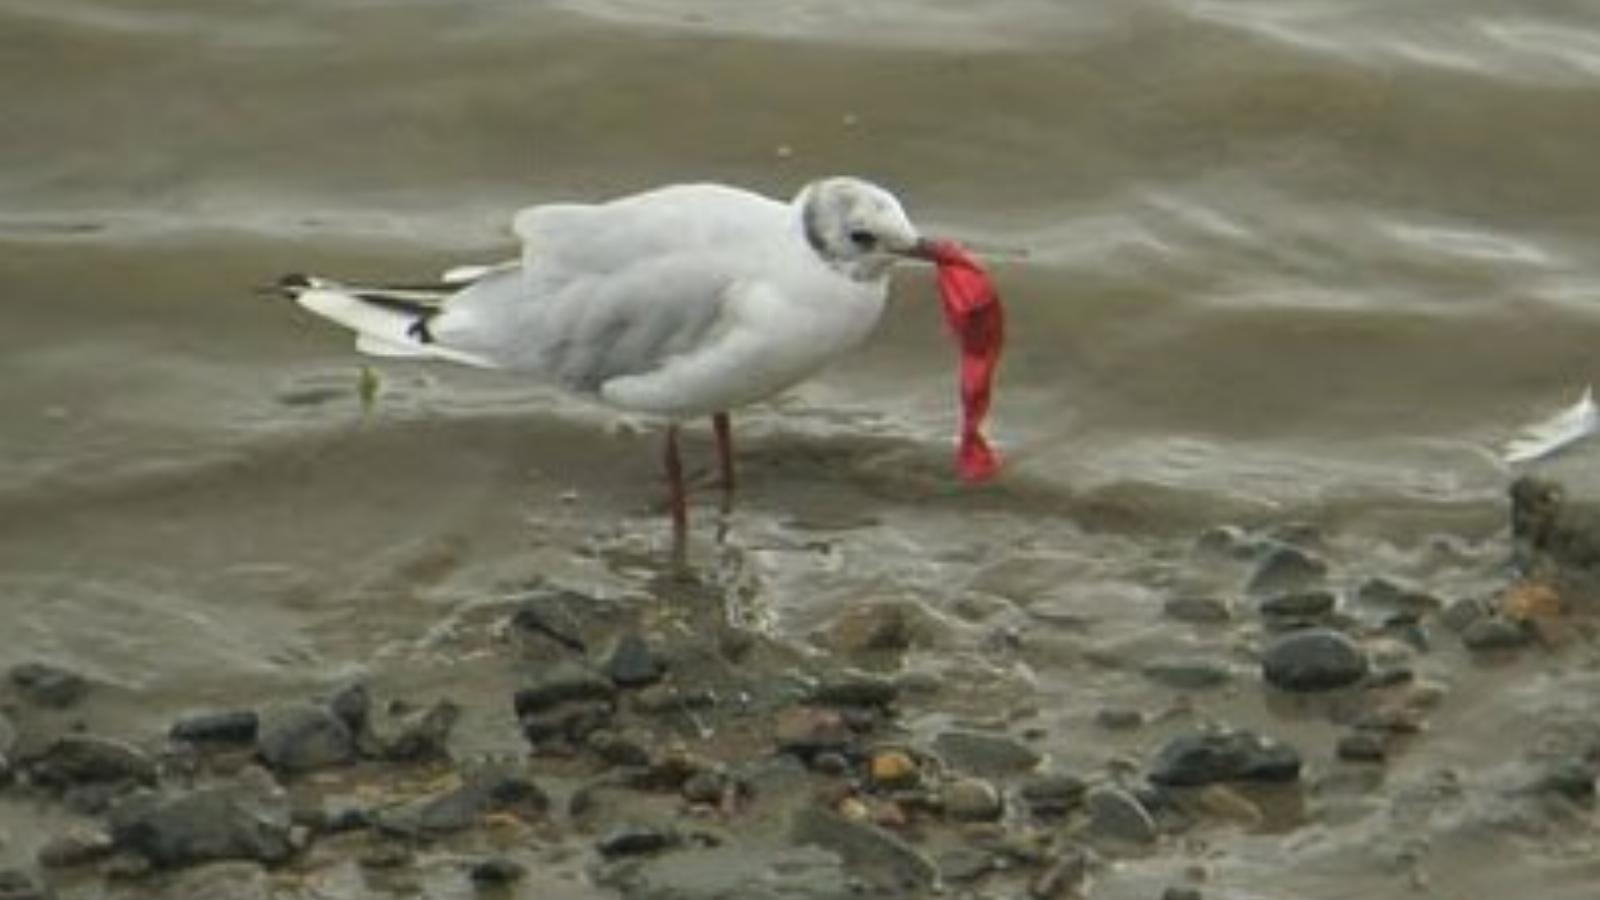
863	239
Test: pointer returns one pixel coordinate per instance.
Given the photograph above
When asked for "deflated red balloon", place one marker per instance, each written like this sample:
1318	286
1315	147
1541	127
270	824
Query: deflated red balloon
973	313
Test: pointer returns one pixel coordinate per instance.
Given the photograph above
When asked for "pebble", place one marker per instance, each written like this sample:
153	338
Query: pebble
1362	746
554	613
872	627
1314	659
497	870
1492	633
1188	674
1459	615
617	749
1181	892
981	753
81	758
893	769
1192	760
489	790
204	825
353	705
1053	795
971	800
856	689
1198	610
47	685
227	726
424	736
1285	568
304	738
1114	813
1298	604
635	840
632	664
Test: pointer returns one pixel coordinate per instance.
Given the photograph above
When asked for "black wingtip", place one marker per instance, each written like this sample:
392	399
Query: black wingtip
294	282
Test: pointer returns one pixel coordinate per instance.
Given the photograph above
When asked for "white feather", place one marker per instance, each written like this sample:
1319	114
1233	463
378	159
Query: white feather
380	331
1548	436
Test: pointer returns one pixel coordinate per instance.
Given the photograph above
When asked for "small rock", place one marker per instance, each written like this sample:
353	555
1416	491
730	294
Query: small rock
1299	605
635	840
204	825
46	685
971	800
304	738
893	769
1204	758
617	749
1315	659
873	627
228	726
1054	795
424	736
1226	541
556	614
1198	610
1181	892
353	705
1362	746
76	847
1461	614
498	870
1188	674
810	730
1491	633
868	850
632	664
565	682
80	758
572	723
831	763
15	885
1285	568
981	753
856	689
1117	814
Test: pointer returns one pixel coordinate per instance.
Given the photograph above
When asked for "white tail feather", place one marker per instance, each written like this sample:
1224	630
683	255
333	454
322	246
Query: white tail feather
380	331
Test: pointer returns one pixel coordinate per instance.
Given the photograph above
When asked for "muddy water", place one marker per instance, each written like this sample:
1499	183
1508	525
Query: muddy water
1267	262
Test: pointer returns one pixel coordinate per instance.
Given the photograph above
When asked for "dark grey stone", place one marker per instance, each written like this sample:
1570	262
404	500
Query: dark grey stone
1285	568
47	685
352	704
1461	614
1181	892
16	885
227	726
1206	758
304	738
498	870
1198	610
1315	659
204	825
632	663
1188	674
632	839
981	753
566	682
1494	633
1118	718
1118	815
555	614
77	759
1362	746
856	689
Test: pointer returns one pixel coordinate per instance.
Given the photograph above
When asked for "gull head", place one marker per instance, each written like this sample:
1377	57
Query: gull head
858	228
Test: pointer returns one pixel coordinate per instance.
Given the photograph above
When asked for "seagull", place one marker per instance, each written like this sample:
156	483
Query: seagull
684	301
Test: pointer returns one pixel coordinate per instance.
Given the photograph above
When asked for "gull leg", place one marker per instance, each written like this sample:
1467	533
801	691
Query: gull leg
675	493
722	427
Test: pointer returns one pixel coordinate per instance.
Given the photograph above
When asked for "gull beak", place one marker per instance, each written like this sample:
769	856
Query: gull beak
922	248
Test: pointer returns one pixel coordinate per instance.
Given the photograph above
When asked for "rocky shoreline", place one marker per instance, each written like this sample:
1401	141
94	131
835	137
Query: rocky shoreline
710	761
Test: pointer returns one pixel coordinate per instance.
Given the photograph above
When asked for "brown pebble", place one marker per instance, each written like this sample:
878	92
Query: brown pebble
853	809
894	769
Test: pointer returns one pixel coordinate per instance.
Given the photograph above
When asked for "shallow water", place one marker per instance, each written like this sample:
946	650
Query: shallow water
1266	262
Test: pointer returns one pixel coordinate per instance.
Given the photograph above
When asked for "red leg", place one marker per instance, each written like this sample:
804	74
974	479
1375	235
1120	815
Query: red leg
722	426
675	492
